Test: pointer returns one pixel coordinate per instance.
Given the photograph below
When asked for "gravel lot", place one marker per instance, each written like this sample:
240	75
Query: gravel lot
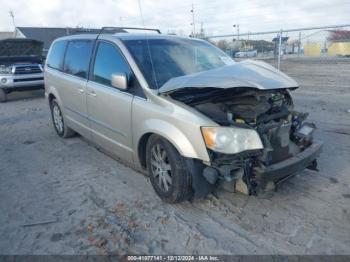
62	196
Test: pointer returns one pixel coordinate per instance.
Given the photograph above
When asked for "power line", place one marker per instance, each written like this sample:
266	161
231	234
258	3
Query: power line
206	6
193	22
284	30
279	13
210	7
243	18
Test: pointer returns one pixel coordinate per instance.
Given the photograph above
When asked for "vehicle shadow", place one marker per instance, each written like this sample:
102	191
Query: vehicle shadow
30	94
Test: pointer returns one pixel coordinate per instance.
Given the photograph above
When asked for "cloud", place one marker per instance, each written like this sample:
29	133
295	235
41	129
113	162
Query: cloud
173	15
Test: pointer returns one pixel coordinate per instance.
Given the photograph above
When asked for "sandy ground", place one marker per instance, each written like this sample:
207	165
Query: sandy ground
62	196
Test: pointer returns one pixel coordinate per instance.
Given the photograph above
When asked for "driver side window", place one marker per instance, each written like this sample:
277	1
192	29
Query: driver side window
109	60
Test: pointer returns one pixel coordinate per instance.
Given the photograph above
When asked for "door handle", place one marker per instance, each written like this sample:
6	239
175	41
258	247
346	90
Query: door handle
81	91
92	93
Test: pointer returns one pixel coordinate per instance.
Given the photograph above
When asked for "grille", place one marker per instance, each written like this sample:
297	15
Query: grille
28	69
28	79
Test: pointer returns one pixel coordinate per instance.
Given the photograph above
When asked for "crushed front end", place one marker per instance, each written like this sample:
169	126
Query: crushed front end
286	136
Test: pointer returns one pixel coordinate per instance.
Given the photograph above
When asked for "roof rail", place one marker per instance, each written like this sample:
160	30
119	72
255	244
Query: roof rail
122	29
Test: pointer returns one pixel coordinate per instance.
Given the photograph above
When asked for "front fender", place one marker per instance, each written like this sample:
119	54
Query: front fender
176	137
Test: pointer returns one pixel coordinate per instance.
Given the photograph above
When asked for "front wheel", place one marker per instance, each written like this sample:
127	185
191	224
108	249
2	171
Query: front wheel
167	170
58	121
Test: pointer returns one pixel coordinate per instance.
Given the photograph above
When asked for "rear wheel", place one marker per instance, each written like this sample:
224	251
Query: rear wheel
3	96
58	121
167	171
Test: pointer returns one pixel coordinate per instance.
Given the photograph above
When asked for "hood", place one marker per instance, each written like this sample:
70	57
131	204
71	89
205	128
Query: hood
20	47
248	73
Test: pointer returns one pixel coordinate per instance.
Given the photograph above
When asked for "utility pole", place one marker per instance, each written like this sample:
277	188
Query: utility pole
193	22
279	50
238	43
13	22
237	26
202	30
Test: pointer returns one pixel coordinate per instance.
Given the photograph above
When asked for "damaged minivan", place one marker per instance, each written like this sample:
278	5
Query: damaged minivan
180	109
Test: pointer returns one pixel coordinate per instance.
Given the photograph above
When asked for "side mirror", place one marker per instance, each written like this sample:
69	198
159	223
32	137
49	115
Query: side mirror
120	81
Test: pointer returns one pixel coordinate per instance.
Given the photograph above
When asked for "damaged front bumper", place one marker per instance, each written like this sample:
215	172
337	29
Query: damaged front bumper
283	170
247	175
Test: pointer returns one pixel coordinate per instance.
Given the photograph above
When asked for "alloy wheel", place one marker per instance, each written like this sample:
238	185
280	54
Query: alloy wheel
161	168
57	118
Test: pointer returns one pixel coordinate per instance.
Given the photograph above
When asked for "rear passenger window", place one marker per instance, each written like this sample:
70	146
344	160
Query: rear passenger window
77	59
55	57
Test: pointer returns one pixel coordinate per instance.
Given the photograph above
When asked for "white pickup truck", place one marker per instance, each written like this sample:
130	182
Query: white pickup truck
242	54
20	66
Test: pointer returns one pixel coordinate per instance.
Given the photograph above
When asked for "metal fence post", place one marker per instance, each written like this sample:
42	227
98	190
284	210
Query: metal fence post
279	50
299	44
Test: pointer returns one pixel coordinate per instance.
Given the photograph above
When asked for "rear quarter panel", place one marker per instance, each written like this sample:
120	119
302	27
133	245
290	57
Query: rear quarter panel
52	82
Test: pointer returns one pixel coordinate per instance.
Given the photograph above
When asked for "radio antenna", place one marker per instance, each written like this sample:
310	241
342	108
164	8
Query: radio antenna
148	47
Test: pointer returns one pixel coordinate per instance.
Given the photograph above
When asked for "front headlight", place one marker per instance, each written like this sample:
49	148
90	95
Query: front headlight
6	70
231	140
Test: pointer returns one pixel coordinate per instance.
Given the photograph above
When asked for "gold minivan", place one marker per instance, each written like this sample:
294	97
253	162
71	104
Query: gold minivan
181	109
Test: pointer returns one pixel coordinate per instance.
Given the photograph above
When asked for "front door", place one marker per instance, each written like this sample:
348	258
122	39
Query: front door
109	109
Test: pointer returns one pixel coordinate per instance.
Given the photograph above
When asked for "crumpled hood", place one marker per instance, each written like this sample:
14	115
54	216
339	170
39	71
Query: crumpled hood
248	73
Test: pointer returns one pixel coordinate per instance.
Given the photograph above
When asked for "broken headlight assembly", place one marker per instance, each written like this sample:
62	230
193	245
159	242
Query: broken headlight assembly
231	140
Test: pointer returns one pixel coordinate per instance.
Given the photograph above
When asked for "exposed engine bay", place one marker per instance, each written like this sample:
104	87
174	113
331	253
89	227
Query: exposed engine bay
283	132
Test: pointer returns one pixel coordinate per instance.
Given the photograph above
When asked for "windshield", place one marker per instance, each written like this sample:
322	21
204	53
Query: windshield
174	57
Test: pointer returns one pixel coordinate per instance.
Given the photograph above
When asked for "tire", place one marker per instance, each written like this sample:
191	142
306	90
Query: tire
167	170
58	121
3	96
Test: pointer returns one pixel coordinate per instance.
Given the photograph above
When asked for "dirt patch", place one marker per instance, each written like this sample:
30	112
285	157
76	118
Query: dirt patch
333	180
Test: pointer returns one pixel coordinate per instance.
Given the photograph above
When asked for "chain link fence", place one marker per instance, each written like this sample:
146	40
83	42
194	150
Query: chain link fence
326	43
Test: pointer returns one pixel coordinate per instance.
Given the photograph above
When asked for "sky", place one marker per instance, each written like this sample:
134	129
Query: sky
174	16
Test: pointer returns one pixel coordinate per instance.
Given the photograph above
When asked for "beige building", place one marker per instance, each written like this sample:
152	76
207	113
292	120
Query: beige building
312	49
5	35
339	49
